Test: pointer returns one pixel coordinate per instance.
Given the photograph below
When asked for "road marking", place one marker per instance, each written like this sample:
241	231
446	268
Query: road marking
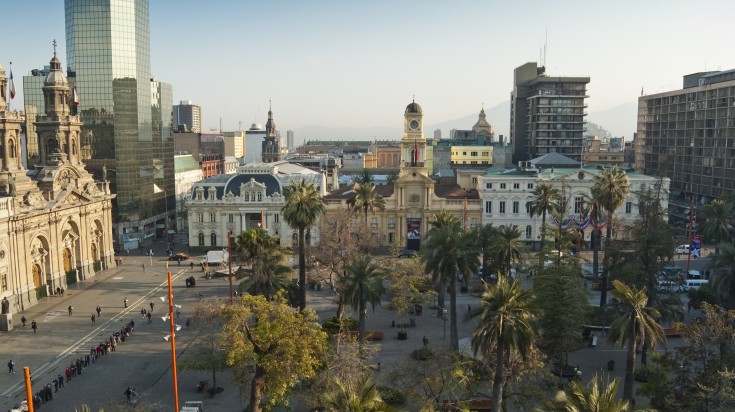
43	369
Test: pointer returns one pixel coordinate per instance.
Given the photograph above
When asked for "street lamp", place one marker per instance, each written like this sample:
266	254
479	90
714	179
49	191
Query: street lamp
444	318
172	338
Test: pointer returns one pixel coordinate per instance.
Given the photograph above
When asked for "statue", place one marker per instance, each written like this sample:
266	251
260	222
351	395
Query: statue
57	148
11	185
104	173
5	306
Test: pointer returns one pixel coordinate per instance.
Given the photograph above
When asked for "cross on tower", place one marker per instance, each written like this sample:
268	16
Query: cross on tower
54	43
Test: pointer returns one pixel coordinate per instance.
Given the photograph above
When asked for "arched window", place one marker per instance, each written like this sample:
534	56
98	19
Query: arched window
529	232
201	239
73	147
260	196
11	148
213	238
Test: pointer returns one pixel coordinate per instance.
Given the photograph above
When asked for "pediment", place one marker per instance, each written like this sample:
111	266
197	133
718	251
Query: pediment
71	198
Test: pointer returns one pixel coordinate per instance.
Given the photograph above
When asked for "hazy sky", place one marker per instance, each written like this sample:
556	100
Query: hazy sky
358	63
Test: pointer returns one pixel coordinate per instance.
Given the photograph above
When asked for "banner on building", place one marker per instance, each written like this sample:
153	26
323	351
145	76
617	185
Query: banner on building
413	226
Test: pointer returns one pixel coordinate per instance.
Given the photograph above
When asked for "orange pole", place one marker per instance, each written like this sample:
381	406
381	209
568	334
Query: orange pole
262	220
229	262
173	342
29	389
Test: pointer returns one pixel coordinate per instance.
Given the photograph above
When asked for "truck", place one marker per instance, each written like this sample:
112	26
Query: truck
215	258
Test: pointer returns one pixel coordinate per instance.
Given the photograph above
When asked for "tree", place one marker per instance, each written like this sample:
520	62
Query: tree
599	395
283	346
367	199
303	207
637	324
272	277
251	244
485	235
407	277
610	188
362	285
507	247
719	218
545	198
205	353
506	327
450	252
362	396
723	278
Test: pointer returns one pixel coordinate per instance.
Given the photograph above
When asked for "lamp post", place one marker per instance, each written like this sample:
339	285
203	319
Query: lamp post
165	224
172	337
229	261
444	318
29	388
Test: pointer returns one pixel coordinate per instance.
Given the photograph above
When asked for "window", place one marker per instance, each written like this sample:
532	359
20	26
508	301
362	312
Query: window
474	180
488	207
628	207
578	204
516	206
200	217
528	208
501	207
391	238
488	185
213	239
473	223
530	186
231	218
391	222
276	219
516	185
529	232
201	239
374	222
260	196
485	154
473	153
502	185
212	217
4	282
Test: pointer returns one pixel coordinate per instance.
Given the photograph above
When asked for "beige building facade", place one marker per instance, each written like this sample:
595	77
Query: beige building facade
55	219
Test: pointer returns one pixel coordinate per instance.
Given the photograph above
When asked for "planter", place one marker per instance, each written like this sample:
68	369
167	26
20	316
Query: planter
402	335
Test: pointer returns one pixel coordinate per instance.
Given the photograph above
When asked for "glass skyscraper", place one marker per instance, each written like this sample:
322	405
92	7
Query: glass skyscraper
126	132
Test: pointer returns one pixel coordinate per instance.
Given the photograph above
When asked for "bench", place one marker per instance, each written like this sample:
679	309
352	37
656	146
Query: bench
672	332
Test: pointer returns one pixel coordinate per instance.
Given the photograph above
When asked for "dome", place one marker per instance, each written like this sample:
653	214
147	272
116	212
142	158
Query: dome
55	75
413	107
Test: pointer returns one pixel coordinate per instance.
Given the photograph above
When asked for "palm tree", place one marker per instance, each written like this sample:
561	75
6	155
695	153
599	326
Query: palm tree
609	190
271	277
485	235
448	252
637	325
599	395
367	199
545	199
507	247
251	244
364	396
363	284
506	327
719	218
303	207
723	279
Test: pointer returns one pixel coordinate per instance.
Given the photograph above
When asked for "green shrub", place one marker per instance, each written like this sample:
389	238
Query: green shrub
392	396
334	324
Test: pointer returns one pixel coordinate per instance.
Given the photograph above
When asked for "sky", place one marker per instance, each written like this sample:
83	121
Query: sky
354	65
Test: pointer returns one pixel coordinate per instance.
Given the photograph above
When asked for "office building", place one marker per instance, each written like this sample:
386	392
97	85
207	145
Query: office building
187	117
437	134
547	114
289	141
687	135
126	116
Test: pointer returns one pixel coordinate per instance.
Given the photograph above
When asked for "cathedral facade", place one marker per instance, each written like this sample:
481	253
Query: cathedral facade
55	219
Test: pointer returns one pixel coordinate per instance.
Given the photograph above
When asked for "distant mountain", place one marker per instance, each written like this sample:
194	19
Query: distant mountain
618	121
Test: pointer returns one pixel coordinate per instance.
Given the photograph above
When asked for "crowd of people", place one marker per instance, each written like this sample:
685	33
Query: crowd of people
77	366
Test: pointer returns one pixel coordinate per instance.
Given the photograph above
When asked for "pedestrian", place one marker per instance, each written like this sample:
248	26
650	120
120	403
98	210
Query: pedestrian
60	379
34	326
11	366
68	374
128	392
178	313
125	301
99	311
188	322
93	318
152	304
192	265
201	295
149	318
143	267
23	320
70	309
62	292
58	291
142	312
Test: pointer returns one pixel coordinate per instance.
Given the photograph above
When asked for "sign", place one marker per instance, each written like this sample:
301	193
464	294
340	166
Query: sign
413	227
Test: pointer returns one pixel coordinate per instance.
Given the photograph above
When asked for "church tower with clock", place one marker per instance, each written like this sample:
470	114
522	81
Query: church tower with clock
413	143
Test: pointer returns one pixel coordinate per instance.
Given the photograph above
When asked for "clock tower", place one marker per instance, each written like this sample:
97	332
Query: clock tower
413	143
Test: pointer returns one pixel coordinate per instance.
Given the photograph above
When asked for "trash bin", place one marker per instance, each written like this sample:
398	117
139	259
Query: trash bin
610	365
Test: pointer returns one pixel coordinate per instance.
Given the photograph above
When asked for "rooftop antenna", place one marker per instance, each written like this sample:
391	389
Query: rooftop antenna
546	42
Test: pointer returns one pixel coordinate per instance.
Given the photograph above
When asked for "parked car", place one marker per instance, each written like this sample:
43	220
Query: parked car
179	256
682	249
408	253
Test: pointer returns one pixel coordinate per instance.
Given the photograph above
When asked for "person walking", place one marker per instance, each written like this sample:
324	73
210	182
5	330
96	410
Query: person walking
152	304
62	292
143	267
99	311
93	318
11	366
70	309
23	321
125	301
148	315
34	326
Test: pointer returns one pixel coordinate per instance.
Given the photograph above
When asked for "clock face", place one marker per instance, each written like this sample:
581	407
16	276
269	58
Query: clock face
414	124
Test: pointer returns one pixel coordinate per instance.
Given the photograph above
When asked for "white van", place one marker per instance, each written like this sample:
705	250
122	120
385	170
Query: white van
694	284
682	249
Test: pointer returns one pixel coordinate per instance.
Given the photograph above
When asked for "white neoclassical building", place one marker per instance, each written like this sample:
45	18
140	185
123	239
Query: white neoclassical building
55	219
506	195
251	198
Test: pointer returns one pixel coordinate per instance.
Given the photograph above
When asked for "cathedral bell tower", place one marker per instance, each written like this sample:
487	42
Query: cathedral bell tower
271	148
13	178
413	143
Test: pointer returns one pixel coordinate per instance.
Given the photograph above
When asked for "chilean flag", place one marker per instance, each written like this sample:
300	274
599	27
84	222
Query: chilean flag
415	152
11	86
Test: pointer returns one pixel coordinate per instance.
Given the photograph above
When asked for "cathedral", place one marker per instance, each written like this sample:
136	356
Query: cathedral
55	219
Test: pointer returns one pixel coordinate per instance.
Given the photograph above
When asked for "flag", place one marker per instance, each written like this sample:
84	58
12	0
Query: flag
75	96
11	86
641	91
